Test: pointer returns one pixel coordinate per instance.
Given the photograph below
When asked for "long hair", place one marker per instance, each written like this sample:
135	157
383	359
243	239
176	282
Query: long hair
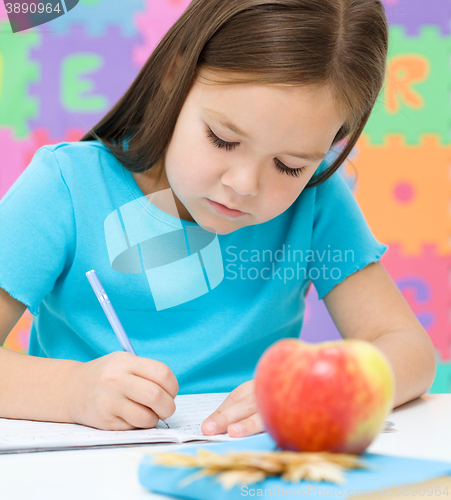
341	43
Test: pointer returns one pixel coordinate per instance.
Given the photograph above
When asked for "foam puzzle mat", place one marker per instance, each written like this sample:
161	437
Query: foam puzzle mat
58	79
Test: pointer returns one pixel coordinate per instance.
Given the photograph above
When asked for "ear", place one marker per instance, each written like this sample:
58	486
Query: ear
169	77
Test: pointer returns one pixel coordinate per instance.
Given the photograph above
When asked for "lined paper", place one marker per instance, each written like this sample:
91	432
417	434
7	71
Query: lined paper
185	425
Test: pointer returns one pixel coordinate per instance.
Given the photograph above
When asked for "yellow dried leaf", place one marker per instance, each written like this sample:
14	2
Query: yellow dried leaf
248	467
233	477
320	471
193	477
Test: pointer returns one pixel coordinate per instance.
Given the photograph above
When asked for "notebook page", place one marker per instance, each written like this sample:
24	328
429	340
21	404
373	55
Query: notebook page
191	411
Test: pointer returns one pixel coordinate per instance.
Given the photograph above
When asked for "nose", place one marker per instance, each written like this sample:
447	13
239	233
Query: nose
244	179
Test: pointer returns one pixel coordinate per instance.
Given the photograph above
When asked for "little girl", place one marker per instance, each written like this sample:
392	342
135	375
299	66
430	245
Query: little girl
206	204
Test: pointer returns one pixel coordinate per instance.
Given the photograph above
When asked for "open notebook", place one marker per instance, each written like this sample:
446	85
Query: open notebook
191	411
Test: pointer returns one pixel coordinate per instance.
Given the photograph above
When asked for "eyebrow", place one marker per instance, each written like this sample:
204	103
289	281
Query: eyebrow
223	120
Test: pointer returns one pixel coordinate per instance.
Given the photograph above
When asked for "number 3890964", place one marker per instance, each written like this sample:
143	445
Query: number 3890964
421	491
32	8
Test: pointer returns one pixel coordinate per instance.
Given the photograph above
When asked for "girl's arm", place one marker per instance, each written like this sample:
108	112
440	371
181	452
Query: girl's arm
367	305
31	388
119	391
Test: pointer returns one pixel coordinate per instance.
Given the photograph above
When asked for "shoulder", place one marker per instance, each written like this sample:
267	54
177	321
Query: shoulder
78	159
77	150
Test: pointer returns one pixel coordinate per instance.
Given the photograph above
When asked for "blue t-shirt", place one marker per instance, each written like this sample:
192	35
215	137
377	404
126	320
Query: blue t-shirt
71	211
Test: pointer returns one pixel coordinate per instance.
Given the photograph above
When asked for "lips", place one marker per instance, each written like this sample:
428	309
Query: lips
228	206
225	210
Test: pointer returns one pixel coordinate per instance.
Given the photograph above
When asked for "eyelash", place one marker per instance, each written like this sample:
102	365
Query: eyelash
219	143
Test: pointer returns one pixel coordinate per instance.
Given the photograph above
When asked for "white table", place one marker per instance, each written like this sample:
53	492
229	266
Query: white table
423	431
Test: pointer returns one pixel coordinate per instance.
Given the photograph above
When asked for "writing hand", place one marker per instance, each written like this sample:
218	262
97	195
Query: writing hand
237	415
122	391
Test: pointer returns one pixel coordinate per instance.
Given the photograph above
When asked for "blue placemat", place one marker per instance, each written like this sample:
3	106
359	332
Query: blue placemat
387	471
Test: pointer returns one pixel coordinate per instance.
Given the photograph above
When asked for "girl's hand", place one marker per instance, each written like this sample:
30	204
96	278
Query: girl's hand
237	415
122	391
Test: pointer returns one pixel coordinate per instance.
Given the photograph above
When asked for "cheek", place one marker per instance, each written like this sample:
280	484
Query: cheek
281	194
190	166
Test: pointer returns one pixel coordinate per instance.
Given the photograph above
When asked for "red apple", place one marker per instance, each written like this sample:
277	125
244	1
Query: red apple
331	396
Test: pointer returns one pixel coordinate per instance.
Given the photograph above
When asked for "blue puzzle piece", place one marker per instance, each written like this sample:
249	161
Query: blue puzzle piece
96	17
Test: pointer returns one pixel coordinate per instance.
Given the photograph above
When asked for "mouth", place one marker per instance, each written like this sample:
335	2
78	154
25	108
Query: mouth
223	210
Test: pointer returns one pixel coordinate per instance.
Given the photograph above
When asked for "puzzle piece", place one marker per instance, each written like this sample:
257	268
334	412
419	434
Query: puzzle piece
81	79
154	23
413	14
17	153
16	73
41	137
4	16
442	381
96	16
317	326
424	281
405	191
13	158
19	337
415	99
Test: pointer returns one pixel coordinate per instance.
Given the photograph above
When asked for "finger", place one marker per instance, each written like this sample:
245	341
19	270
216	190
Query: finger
156	371
113	423
246	427
119	424
148	394
237	395
137	415
222	419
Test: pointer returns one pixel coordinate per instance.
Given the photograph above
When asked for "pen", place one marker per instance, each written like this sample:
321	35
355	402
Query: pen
107	307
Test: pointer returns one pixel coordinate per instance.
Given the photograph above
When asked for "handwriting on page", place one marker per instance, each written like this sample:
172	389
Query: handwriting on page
185	423
192	410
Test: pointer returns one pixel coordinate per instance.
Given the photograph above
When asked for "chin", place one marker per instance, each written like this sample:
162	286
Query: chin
226	231
218	226
217	230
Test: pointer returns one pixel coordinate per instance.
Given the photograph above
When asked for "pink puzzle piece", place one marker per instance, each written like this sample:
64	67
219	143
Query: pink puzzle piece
3	14
13	159
424	281
41	137
154	23
17	153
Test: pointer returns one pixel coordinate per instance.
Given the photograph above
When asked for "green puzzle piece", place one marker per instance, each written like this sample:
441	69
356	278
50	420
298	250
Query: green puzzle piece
75	85
433	88
16	72
442	381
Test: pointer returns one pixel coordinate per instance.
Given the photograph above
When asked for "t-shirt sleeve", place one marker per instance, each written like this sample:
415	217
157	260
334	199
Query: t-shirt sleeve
342	241
37	231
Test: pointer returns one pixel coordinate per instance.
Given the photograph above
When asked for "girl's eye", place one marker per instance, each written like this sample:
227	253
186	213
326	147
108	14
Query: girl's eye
219	143
295	172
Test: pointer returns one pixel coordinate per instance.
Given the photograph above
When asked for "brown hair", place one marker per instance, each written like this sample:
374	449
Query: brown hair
342	43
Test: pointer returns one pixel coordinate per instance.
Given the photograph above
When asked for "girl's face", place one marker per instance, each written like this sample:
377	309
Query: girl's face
249	147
